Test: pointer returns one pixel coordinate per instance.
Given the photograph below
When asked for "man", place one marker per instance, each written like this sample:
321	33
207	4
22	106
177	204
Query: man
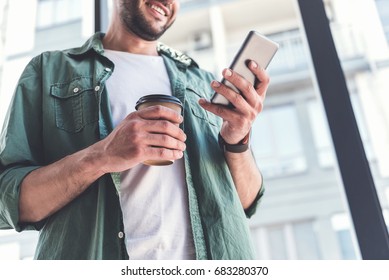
72	148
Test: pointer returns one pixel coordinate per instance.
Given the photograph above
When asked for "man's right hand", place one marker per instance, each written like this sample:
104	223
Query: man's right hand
152	133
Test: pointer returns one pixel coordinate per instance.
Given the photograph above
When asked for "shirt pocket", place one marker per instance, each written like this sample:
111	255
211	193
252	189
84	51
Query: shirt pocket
193	95
76	104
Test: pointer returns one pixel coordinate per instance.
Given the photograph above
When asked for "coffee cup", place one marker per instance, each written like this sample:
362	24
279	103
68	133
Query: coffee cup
169	101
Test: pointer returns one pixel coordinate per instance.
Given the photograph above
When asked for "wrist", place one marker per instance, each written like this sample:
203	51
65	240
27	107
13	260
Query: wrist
92	161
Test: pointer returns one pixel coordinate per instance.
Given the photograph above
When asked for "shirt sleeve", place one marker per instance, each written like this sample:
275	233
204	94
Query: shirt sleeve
20	146
254	206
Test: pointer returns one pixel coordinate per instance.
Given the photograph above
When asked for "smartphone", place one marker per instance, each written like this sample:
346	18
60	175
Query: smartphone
255	47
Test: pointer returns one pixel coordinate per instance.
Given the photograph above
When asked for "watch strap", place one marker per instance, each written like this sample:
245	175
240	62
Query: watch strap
241	147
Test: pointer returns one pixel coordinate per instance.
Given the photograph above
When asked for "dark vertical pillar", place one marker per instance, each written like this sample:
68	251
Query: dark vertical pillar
359	186
101	15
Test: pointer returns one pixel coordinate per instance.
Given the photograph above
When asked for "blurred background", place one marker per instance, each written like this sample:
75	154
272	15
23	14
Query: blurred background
305	212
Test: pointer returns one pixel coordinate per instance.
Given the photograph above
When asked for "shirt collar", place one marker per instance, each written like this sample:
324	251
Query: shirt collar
175	55
95	43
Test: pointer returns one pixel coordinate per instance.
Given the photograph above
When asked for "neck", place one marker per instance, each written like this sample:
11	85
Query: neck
118	39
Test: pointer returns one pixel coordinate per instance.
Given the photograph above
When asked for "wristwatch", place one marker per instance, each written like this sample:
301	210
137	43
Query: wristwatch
241	147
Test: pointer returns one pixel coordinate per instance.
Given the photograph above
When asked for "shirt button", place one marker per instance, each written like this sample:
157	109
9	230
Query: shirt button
97	88
75	90
120	234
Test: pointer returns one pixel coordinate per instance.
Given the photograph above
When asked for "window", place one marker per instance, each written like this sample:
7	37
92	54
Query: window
342	226
296	240
383	11
292	55
54	12
306	244
321	134
276	142
277	244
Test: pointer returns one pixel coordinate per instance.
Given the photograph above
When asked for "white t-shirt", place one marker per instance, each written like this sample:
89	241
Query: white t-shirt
154	199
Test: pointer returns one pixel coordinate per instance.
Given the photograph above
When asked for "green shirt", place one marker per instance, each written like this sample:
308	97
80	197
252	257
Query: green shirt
61	106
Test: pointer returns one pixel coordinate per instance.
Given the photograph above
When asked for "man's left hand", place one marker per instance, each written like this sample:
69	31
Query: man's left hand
237	121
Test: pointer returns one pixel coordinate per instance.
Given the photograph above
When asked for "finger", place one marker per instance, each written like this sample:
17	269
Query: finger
157	153
165	141
235	98
245	87
164	127
158	112
262	78
250	91
227	114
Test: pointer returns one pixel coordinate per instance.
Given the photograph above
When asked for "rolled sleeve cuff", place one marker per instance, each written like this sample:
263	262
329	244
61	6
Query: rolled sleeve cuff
253	207
10	181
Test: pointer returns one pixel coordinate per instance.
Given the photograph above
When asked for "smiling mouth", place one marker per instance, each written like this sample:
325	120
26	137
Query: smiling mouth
157	9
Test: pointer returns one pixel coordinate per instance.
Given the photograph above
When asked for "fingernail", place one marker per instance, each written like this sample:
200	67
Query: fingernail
228	73
202	101
253	64
215	84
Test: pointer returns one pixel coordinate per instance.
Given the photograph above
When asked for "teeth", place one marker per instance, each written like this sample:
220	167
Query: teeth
158	9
